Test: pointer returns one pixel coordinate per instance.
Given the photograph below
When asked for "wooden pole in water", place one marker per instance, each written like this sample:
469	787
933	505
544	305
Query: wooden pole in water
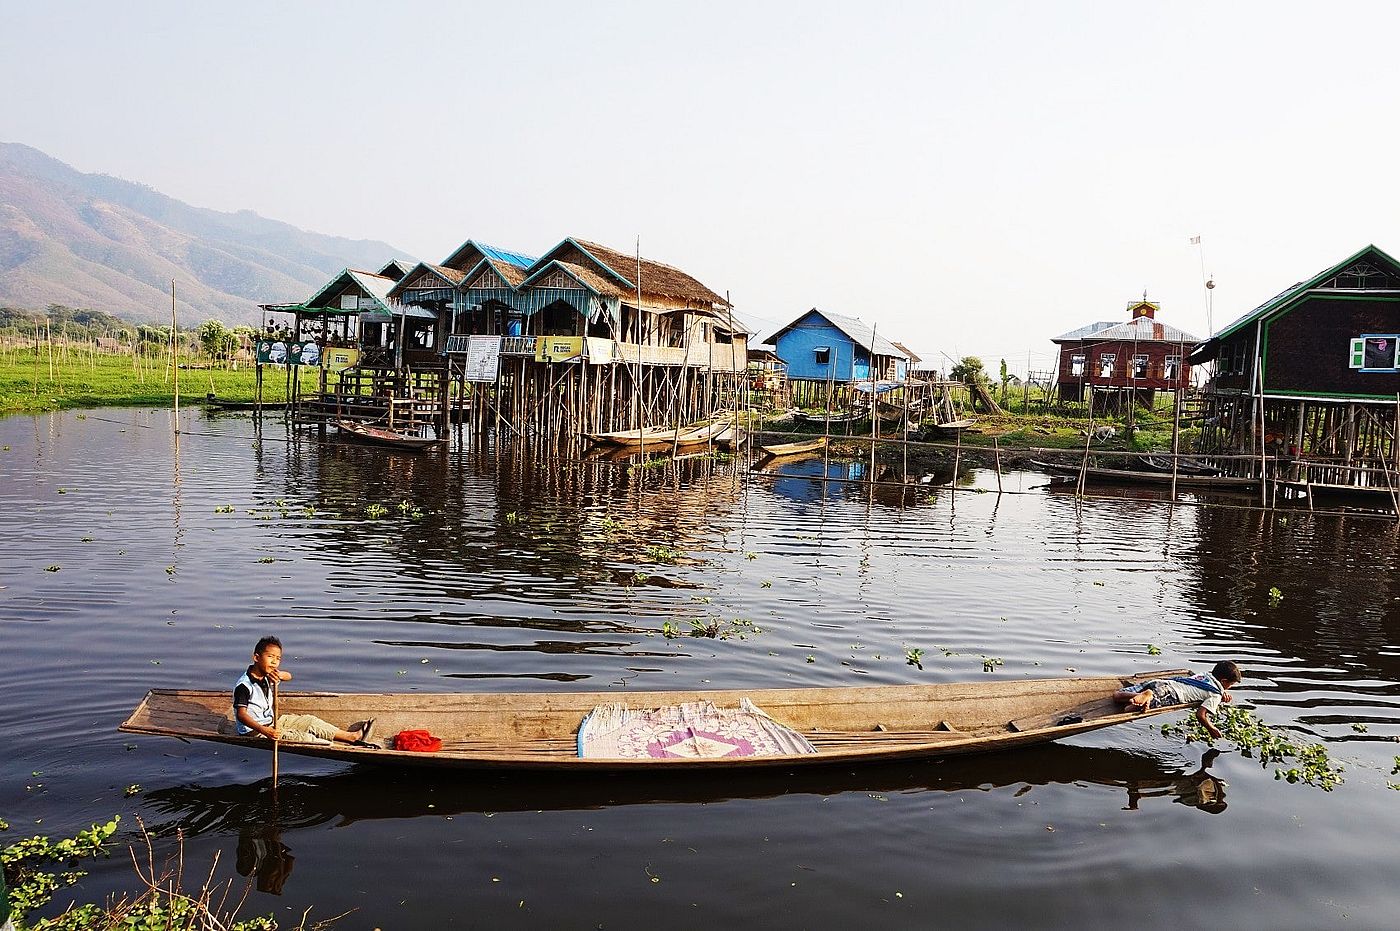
996	451
175	353
1176	437
278	739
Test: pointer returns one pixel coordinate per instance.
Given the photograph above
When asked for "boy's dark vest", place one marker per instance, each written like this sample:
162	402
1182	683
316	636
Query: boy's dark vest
259	702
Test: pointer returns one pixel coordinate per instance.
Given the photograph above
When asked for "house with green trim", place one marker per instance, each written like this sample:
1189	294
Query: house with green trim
1314	370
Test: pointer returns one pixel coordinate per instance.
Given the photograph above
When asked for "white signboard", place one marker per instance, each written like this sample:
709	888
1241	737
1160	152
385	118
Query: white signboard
350	302
483	358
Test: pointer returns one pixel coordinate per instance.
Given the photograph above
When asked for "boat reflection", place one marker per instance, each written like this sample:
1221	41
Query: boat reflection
370	793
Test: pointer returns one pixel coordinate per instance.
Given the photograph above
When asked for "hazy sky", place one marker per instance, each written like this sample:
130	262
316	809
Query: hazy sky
973	178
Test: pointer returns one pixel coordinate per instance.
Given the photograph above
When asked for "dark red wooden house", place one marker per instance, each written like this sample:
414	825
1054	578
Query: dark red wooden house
1141	355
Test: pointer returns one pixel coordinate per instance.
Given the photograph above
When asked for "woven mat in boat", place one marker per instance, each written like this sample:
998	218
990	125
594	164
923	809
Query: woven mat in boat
696	730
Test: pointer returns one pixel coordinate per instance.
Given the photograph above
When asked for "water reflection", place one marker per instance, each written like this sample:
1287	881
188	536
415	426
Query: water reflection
371	793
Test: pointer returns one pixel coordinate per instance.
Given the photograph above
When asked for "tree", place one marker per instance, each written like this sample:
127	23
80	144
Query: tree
969	370
216	339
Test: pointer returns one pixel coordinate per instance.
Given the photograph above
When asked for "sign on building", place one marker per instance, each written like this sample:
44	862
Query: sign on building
483	358
340	358
288	352
559	349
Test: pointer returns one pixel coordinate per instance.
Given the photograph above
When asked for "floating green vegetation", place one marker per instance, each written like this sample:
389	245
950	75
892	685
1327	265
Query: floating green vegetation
265	559
990	662
914	657
1310	763
1275	597
1359	727
713	628
1154	650
31	866
169	570
63	491
766	583
662	554
376	511
811	658
751	556
309	510
409	509
53	568
224	509
36	868
512	518
133	789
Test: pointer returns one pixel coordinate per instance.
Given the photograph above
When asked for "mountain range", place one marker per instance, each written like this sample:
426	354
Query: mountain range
98	242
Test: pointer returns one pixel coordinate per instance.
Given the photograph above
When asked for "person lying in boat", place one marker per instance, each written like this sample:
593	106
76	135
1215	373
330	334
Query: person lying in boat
1209	690
252	705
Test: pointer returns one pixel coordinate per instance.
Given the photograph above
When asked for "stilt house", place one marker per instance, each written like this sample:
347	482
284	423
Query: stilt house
1312	376
1140	356
826	353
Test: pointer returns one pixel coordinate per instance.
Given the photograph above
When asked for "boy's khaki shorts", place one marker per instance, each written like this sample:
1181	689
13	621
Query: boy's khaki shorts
306	728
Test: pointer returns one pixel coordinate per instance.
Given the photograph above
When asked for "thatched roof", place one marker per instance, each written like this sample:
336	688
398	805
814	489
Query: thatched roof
658	279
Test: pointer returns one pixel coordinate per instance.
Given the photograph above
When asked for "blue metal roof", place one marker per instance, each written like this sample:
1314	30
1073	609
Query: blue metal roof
518	259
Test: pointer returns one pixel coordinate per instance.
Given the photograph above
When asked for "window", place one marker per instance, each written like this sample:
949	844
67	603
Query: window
1076	364
1139	366
822	354
1106	361
1169	370
1375	352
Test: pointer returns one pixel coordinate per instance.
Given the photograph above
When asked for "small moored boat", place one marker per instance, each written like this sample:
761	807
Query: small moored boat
794	449
384	437
1136	477
546	731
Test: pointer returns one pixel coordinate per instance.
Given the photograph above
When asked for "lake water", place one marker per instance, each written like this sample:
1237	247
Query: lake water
527	573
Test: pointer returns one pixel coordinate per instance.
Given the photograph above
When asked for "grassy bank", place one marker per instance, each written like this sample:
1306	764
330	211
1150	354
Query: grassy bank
30	383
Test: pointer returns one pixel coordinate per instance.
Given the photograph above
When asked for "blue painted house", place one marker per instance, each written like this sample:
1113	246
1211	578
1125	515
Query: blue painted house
820	346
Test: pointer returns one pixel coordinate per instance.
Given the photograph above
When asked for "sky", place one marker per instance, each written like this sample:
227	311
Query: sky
971	178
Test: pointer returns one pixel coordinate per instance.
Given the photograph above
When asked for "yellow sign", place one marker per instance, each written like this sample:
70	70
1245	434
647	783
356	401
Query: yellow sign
338	359
559	349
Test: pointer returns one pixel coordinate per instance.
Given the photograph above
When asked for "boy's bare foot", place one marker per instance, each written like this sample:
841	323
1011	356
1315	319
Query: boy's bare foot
1139	702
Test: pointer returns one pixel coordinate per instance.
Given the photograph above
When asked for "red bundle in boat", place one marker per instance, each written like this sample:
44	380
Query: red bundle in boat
417	742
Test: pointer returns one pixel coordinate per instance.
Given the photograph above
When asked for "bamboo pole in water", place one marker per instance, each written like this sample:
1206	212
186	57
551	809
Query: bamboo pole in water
175	353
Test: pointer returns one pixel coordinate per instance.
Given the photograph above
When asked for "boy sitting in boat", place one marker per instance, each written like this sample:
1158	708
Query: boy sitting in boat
1207	691
252	705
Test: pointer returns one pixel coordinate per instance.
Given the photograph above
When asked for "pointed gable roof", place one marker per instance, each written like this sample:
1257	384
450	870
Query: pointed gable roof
374	286
860	334
466	256
657	278
1369	269
395	269
450	278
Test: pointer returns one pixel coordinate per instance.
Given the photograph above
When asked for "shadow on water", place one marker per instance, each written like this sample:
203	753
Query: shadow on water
371	793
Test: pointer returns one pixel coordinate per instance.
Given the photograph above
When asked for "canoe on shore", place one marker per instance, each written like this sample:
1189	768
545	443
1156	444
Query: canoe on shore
383	437
794	449
1134	477
540	731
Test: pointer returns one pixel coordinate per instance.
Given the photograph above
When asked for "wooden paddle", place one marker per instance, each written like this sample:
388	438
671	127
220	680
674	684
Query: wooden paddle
276	677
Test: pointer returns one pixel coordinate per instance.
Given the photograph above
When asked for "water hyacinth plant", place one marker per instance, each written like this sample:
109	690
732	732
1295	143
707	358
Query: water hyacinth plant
1298	762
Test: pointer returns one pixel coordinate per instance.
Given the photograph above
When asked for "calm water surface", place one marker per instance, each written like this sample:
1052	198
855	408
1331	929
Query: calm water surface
524	572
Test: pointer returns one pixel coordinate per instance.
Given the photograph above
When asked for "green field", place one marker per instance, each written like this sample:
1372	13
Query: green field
30	383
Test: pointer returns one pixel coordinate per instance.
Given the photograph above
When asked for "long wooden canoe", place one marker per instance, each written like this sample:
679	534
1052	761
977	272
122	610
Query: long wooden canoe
1134	477
794	449
538	731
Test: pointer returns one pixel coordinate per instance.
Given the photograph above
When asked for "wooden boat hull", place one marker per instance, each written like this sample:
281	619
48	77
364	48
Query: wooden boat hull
538	731
794	449
1132	477
368	434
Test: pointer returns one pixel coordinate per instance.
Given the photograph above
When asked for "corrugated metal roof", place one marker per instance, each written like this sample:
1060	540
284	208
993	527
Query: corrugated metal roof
1207	350
860	333
1085	332
1144	330
518	259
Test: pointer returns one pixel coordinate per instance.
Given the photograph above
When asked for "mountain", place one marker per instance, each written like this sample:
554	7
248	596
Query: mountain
90	240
